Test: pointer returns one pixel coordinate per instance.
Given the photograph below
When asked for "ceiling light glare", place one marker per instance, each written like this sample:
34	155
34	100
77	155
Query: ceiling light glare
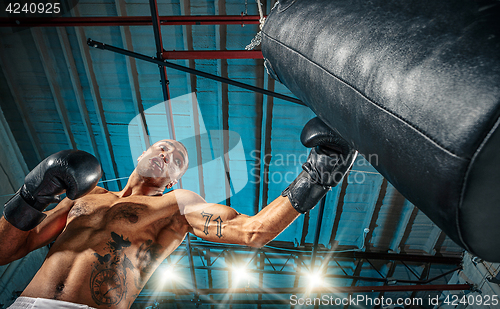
315	279
169	274
240	273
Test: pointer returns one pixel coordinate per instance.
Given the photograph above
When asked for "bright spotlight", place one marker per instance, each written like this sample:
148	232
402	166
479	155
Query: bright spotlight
169	274
240	273
315	279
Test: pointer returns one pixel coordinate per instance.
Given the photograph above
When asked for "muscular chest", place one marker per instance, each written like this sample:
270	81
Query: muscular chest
108	210
104	210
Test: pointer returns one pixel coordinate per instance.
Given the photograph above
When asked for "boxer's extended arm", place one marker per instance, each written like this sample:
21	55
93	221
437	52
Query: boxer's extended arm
220	223
16	243
326	165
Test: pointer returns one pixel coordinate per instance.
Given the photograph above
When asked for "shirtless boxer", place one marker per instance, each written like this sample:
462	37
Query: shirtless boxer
108	244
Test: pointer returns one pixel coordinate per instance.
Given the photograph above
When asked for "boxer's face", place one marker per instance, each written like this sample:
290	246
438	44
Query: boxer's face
165	161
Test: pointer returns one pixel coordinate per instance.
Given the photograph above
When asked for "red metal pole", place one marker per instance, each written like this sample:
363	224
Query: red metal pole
128	21
213	54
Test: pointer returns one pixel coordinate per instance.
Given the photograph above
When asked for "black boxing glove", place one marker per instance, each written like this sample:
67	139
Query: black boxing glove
74	171
330	158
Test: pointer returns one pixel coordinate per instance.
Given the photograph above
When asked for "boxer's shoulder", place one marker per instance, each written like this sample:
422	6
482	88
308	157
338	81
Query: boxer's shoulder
186	197
99	190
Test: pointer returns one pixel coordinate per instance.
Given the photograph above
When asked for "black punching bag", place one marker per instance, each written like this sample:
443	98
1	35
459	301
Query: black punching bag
416	82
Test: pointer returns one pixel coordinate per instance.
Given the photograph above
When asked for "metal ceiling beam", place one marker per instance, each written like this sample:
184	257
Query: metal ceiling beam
196	120
133	78
157	61
96	97
338	211
261	266
305	229
439	243
374	215
329	271
389	275
265	112
435	234
406	230
357	271
213	303
191	268
329	290
401	209
449	260
297	277
423	275
187	31
259	136
210	279
224	88
128	21
16	167
50	73
153	5
265	152
213	54
77	89
20	104
319	222
355	277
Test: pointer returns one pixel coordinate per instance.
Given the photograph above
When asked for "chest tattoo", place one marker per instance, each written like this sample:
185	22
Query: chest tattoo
108	280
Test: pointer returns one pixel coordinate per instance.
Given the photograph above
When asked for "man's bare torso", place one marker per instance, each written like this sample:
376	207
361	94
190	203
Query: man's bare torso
109	249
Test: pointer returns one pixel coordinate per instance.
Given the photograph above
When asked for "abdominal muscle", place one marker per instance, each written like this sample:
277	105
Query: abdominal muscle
100	268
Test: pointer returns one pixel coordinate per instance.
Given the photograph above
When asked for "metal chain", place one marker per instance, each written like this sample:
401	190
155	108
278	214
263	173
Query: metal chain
258	37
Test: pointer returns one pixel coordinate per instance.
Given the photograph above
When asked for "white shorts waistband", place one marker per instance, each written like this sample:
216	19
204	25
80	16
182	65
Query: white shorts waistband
43	303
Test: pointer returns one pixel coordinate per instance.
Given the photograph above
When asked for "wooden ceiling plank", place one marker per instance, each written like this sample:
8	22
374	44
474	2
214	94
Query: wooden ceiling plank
96	97
78	91
221	5
49	69
133	78
192	81
21	106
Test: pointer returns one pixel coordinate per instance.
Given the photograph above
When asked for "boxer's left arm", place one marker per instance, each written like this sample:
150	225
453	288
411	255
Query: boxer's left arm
220	223
329	159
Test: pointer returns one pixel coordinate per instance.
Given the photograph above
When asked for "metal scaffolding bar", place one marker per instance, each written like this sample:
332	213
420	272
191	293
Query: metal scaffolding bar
213	54
336	289
449	260
159	47
355	277
128	21
133	77
319	222
98	104
155	60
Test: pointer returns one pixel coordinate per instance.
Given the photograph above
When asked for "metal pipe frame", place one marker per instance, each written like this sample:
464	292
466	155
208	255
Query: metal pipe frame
447	260
159	46
336	289
319	222
274	261
165	63
384	279
213	54
128	21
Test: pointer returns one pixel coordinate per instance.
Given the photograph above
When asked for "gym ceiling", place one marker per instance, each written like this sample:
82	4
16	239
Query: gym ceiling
58	91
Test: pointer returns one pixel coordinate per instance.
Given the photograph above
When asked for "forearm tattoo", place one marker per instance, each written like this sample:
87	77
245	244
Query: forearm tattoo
108	280
218	222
